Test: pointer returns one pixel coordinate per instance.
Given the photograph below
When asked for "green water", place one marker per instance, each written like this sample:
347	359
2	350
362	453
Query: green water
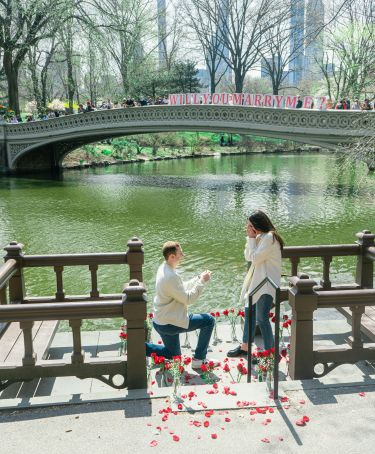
203	203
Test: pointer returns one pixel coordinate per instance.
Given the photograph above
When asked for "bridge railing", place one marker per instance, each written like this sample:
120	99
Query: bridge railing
306	296
131	305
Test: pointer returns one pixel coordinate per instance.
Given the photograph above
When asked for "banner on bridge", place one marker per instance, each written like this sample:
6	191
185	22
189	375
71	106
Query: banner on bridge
249	99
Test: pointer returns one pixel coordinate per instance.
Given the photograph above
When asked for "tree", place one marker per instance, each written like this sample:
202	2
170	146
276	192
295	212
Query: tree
204	21
242	25
23	24
122	24
183	78
349	57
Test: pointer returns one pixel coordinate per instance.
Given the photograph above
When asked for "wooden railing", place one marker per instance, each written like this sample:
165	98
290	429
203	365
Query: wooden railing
130	305
306	296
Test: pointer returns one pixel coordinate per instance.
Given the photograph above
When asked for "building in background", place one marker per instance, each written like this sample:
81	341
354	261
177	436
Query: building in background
162	33
297	25
314	50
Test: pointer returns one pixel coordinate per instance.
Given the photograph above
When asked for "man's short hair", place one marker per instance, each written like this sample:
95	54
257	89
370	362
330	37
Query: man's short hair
170	247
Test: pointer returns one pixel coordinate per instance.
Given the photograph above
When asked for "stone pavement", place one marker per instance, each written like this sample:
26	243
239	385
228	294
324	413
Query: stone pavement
340	408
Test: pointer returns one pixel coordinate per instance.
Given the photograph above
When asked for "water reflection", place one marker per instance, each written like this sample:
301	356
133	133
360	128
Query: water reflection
313	199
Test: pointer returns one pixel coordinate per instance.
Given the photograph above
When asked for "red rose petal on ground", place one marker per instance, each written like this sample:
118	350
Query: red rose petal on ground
214	436
271	410
206	423
265	440
300	422
153	443
176	438
197	423
180	406
269	420
362	394
305	419
281	439
302	402
215	385
233	393
284	399
228	420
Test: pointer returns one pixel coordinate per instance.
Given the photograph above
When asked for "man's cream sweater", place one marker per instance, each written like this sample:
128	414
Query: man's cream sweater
173	296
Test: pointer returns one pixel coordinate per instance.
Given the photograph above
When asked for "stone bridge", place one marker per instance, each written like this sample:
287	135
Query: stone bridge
42	145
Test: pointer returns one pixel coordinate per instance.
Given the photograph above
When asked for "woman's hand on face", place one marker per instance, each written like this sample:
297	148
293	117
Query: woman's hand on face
250	231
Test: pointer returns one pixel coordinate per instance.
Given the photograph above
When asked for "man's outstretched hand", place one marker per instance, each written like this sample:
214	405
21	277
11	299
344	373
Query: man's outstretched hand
205	276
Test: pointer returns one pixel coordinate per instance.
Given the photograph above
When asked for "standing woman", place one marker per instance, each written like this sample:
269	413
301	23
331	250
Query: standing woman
263	249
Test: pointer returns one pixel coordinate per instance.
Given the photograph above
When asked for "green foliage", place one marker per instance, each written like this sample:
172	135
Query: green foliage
183	78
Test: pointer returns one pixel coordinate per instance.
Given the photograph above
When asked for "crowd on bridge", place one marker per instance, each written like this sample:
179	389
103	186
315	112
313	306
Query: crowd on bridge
346	103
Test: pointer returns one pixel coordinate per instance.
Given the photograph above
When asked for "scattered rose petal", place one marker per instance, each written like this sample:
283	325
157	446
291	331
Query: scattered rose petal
206	423
302	402
228	420
180	406
362	394
305	419
176	438
265	440
281	439
300	422
214	436
153	443
284	399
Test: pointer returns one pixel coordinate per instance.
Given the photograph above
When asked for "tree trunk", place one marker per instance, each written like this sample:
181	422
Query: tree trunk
238	81
212	82
11	72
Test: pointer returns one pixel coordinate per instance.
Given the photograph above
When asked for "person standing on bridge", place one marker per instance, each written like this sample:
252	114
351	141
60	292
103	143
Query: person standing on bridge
171	317
263	249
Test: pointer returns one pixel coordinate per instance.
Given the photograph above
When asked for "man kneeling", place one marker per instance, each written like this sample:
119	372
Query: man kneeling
173	296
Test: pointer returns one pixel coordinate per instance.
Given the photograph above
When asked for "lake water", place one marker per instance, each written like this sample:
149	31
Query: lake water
203	203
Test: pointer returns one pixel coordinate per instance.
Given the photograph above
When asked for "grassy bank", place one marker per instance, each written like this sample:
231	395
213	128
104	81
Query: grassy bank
148	146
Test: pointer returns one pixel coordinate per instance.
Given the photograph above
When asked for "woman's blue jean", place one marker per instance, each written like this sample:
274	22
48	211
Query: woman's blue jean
260	312
170	335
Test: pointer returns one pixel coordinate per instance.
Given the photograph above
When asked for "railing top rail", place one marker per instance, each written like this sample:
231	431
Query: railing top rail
7	270
321	250
111	258
346	298
61	311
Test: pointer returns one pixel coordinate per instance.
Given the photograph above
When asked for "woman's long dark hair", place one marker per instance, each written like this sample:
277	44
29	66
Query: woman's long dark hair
262	222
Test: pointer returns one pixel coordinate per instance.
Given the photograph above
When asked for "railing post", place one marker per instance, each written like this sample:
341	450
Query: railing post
355	340
60	294
365	266
303	301
94	293
29	358
78	354
134	311
16	283
135	258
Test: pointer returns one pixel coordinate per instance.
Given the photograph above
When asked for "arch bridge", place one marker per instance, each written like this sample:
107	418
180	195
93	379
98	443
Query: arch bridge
42	145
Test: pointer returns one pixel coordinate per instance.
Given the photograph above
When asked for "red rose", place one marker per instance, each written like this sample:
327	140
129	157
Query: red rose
273	319
204	368
150	315
231	310
226	368
181	369
285	325
285	317
123	335
225	312
271	314
212	314
217	314
187	361
284	352
289	322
